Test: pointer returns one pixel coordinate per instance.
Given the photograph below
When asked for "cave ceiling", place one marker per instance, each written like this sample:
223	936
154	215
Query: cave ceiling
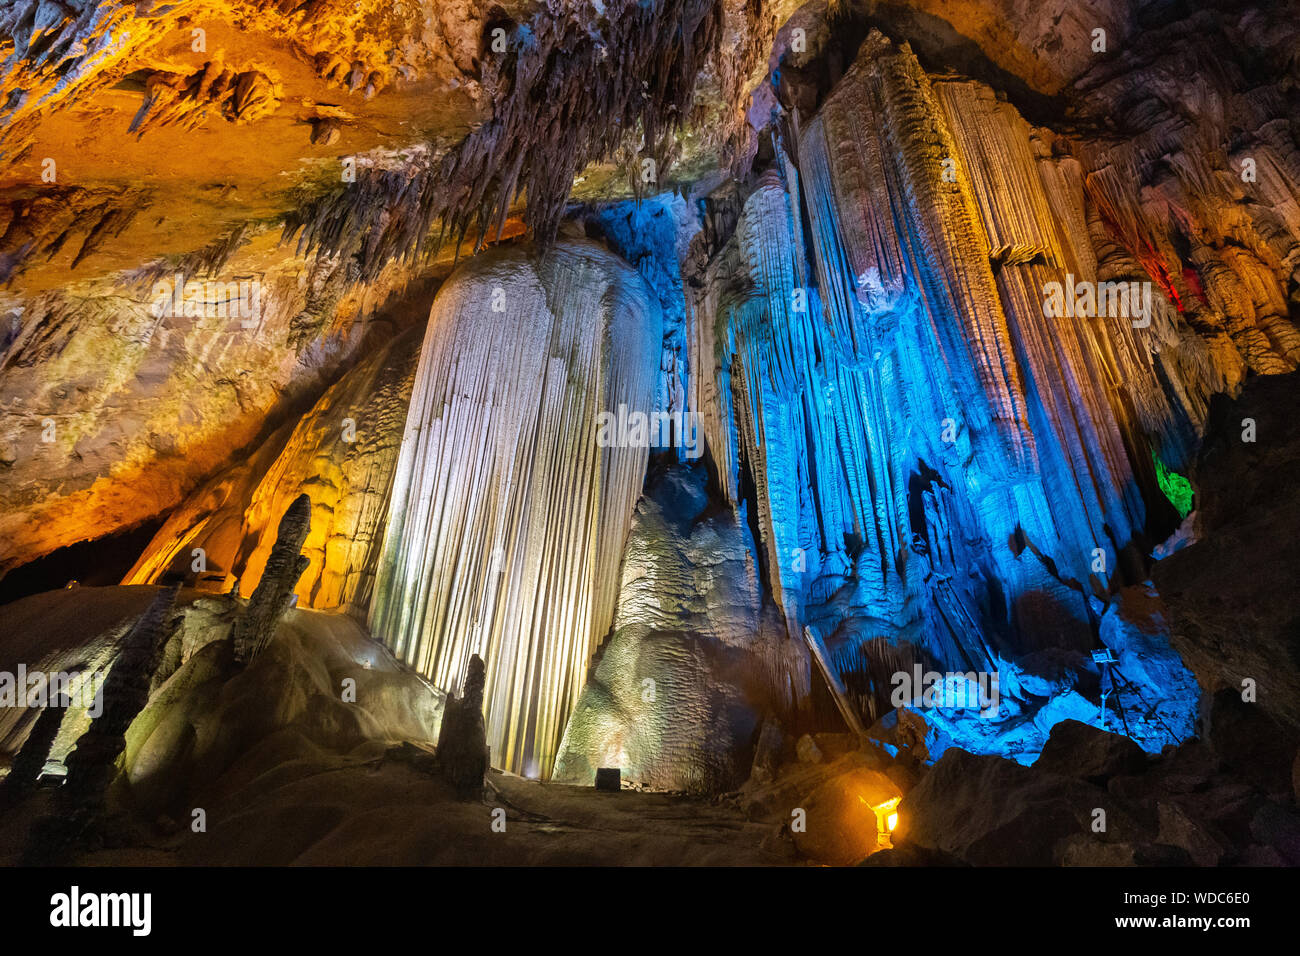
171	125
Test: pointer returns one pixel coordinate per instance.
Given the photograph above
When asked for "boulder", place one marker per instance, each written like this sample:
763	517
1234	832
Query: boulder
1076	749
989	811
842	825
1204	846
1278	827
807	750
1251	742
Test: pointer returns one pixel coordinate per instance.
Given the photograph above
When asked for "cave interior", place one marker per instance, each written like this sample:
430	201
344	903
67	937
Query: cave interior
658	432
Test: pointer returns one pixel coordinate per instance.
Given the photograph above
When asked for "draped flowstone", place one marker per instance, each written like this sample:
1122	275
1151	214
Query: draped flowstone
510	509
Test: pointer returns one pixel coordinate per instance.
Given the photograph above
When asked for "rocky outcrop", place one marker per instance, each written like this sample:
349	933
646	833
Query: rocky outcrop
115	406
1230	594
834	804
321	692
1078	750
678	689
342	453
1110	806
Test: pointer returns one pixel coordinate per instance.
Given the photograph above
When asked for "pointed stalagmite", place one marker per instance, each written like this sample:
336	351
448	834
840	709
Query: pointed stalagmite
462	739
255	626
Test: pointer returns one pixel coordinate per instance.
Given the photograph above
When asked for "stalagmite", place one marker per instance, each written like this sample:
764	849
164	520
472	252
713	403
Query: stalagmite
509	511
92	762
462	738
82	804
25	772
255	625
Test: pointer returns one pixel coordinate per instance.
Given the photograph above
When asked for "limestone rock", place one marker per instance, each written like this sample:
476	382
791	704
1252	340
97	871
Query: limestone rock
342	453
842	824
950	811
109	424
1076	749
1082	851
1231	596
675	696
93	762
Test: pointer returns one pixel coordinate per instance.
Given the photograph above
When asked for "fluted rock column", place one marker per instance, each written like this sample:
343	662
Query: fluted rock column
508	516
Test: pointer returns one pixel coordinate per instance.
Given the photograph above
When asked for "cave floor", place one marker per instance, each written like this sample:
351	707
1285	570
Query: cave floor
388	813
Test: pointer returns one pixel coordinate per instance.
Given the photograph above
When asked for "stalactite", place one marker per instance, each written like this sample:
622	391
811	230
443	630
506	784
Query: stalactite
993	146
1202	194
916	217
632	77
207	262
188	101
919	426
56	53
42	225
507	519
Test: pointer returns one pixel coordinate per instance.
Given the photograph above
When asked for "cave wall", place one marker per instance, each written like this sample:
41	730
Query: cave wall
341	453
116	403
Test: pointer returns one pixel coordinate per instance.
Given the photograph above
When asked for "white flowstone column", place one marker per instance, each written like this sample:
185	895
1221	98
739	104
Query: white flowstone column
508	519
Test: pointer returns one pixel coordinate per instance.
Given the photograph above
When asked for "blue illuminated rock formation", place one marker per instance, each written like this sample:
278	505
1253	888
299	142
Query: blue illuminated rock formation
942	469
